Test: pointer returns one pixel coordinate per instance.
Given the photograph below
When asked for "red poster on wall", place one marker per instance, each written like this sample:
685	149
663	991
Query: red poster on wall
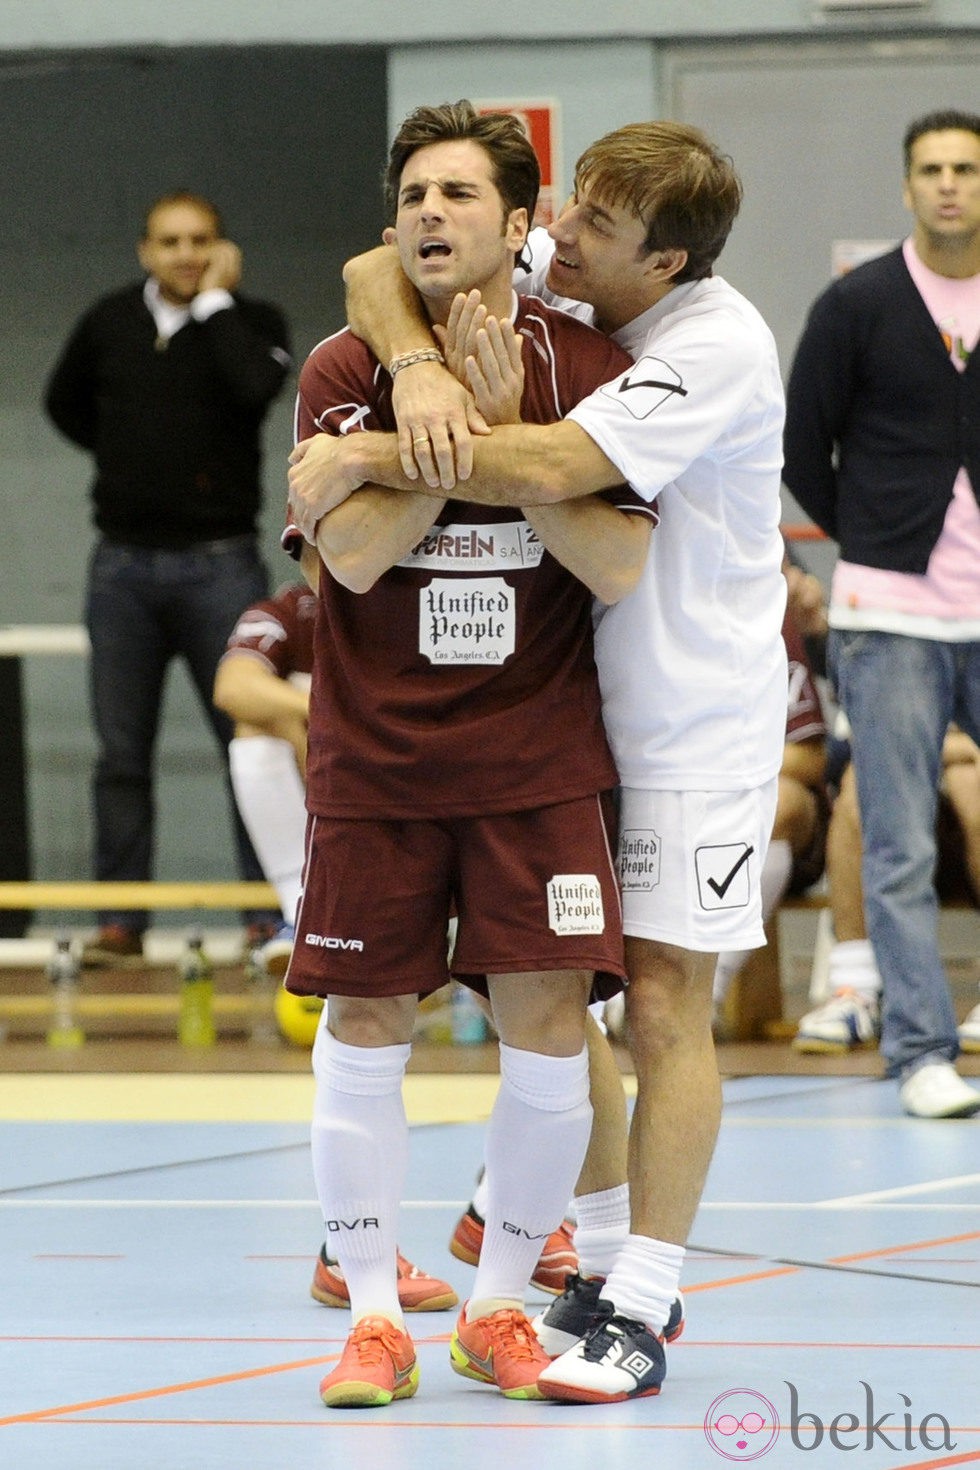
540	119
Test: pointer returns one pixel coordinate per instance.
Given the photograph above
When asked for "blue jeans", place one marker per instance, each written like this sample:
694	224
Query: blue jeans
143	608
900	694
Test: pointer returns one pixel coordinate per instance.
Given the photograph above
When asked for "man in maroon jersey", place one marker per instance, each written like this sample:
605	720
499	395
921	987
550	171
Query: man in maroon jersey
457	760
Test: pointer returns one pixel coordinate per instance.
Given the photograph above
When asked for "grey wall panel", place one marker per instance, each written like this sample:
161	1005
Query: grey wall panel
815	130
289	141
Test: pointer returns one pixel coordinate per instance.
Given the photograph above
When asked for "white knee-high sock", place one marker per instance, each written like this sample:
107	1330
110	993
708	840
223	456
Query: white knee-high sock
272	803
536	1141
776	871
359	1140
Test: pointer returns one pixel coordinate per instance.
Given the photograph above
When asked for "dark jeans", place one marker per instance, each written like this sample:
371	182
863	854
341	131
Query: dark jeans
143	608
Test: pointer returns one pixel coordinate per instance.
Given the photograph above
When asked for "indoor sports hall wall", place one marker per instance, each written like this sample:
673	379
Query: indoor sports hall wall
283	111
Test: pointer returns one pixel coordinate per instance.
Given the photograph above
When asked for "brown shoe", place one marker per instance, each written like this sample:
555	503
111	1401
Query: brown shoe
114	946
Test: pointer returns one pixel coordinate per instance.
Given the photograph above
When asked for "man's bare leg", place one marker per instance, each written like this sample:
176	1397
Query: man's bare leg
678	1101
605	1165
672	1138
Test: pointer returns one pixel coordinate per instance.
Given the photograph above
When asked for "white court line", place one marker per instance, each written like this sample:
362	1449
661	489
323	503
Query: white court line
856	1202
874	1196
204	1204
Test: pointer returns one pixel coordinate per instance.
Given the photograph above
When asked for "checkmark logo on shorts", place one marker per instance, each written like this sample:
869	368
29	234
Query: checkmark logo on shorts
723	875
722	888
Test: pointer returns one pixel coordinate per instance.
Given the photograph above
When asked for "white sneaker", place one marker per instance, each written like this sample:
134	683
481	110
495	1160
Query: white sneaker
849	1019
969	1032
936	1090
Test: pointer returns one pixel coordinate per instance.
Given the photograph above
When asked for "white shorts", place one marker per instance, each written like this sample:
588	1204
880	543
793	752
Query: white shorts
689	863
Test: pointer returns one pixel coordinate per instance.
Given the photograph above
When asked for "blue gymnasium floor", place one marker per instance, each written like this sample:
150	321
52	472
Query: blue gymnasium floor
156	1247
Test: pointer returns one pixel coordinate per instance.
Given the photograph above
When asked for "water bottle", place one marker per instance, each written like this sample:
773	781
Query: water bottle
469	1025
195	1025
63	972
262	988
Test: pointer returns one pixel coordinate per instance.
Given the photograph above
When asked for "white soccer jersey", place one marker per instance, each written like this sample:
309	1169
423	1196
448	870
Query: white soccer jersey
692	665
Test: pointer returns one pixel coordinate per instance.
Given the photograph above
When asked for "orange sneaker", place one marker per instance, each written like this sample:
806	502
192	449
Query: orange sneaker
377	1365
416	1291
557	1261
500	1349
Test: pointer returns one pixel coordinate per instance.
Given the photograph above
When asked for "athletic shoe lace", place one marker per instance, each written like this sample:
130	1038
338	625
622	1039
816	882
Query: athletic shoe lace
511	1331
371	1342
598	1343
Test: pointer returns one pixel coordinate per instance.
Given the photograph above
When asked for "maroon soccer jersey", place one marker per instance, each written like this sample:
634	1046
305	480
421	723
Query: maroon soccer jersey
804	713
464	681
279	630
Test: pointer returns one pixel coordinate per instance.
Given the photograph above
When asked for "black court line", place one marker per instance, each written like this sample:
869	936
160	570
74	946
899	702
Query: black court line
837	1084
161	1168
802	1264
134	1171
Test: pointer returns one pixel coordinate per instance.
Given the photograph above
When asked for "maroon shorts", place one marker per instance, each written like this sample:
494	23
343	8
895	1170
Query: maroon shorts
532	890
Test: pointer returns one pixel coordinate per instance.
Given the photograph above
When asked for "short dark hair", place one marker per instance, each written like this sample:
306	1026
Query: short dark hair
184	196
947	120
683	189
516	171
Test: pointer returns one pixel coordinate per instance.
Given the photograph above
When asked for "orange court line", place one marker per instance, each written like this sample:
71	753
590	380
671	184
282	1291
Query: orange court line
37	1415
921	1245
458	1424
154	1393
742	1280
390	1423
877	1347
107	1337
970	1458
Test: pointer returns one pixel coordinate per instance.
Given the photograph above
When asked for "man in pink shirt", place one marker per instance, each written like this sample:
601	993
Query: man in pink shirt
883	451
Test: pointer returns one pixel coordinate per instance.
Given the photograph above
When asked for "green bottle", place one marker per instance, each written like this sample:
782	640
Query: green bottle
195	1025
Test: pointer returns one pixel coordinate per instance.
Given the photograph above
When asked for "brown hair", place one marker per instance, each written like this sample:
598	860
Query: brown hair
516	173
184	196
946	121
675	180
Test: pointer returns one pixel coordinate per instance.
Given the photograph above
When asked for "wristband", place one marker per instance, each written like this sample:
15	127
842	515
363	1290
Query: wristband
409	359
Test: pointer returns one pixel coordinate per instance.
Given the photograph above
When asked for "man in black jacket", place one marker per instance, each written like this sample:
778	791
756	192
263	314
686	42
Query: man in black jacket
166	383
883	451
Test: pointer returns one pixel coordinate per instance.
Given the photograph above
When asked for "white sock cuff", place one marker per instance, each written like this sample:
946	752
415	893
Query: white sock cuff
361	1071
550	1084
605	1207
644	1279
261	758
852	966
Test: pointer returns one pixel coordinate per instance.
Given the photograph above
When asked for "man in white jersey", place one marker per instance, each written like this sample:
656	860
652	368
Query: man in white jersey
883	451
692	666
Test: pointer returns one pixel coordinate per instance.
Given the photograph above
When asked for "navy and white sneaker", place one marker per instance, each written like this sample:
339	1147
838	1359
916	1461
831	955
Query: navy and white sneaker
621	1359
580	1310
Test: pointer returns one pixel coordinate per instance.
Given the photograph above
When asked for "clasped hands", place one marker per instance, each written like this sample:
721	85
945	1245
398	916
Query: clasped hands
438	410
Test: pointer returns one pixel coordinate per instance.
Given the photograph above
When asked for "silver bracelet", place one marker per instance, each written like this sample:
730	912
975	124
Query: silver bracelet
409	359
